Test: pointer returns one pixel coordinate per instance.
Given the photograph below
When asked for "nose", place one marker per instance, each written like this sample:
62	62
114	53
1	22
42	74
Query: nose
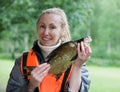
46	31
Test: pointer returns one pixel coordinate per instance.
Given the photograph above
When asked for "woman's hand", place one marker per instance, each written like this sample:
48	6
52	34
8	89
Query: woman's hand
37	76
84	52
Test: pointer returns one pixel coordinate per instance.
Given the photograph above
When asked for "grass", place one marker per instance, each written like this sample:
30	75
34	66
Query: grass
5	68
106	62
103	79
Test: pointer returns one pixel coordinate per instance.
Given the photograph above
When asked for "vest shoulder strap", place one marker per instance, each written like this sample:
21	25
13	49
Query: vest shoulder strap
23	64
28	62
65	79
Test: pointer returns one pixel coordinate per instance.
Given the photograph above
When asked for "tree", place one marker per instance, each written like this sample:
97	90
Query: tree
18	20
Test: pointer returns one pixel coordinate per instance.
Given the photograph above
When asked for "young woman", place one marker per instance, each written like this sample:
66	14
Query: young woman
52	30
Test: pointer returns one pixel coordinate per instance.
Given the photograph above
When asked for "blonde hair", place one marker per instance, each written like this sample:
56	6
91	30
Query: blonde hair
64	23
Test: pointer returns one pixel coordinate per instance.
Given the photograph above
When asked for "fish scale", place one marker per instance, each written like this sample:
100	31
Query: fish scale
61	58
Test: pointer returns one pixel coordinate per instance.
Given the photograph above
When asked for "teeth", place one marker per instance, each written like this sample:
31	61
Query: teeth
46	39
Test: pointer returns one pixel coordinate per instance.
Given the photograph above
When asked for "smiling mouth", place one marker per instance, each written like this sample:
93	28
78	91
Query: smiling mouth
46	39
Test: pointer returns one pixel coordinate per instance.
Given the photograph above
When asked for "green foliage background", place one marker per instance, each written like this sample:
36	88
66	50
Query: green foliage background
98	18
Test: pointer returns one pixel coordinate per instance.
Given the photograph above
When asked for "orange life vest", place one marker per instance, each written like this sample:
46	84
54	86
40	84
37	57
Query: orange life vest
49	83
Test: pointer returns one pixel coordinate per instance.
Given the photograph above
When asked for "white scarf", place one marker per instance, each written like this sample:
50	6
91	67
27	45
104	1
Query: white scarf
46	50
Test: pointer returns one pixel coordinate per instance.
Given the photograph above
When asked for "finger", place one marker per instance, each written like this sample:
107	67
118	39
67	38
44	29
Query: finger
40	76
41	65
78	48
43	73
82	48
40	68
37	75
88	50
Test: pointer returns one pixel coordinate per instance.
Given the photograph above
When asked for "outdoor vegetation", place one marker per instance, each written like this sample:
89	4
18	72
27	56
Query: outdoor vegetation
98	18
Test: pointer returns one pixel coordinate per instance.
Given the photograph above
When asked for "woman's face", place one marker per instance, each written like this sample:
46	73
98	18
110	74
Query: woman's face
49	29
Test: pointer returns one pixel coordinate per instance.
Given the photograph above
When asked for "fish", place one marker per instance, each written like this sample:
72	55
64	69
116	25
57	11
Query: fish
63	56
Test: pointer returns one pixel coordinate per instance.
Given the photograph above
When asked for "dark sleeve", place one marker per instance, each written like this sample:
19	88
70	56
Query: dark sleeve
16	83
85	81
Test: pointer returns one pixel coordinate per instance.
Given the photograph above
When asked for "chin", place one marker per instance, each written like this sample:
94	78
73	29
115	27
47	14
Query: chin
47	43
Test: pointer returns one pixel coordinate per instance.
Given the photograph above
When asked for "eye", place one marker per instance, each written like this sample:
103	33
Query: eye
42	26
52	27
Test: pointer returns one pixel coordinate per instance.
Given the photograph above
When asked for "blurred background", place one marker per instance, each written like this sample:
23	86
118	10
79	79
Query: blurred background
98	18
